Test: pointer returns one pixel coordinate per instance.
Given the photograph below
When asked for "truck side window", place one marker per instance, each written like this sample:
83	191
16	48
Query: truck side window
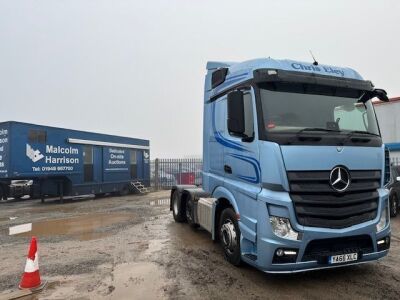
37	136
248	115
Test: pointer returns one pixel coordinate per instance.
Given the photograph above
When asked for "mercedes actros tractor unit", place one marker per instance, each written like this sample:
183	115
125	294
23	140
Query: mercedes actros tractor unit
294	168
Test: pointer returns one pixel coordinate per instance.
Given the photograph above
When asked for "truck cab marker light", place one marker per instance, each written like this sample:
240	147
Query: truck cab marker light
272	72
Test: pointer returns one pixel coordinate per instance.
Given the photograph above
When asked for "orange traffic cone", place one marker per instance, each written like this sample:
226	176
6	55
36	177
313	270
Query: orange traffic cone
31	277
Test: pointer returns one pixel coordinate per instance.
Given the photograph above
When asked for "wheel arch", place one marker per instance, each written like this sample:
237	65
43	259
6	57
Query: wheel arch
225	199
180	189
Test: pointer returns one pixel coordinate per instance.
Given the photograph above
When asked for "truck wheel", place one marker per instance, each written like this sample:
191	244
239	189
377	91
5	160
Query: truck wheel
394	205
229	236
178	210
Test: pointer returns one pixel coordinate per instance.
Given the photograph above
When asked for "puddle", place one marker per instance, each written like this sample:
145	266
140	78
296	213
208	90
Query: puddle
142	280
83	227
159	202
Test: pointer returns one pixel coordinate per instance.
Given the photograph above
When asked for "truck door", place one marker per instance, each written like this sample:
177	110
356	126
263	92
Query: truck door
242	170
213	170
241	163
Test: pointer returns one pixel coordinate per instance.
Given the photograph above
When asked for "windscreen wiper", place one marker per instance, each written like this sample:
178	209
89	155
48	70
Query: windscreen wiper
316	129
351	133
313	129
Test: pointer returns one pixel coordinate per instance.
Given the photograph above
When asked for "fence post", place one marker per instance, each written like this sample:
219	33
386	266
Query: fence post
180	172
156	175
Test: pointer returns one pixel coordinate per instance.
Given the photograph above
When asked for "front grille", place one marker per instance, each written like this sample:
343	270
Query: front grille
320	250
317	204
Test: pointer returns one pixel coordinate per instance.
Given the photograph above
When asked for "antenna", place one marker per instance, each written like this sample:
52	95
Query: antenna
315	63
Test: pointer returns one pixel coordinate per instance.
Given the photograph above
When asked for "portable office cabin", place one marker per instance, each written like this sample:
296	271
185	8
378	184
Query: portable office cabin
74	162
388	114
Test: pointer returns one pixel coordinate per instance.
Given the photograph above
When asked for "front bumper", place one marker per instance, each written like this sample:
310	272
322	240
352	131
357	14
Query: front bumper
310	266
279	203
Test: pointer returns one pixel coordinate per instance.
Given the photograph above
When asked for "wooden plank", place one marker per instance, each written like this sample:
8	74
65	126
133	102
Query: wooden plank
15	294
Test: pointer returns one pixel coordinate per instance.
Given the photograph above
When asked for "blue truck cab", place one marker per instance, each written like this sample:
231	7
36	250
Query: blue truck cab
294	167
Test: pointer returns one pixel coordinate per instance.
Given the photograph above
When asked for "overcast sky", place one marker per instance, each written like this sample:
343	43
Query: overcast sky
136	68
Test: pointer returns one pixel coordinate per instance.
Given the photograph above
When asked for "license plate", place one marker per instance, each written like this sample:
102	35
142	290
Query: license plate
342	258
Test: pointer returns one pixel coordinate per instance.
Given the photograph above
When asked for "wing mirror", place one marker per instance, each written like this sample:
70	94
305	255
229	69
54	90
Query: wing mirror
381	95
378	93
236	124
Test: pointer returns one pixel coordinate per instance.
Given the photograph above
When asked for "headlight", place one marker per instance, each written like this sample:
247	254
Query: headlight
383	220
282	228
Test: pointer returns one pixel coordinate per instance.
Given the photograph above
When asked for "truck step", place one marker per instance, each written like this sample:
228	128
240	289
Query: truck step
250	256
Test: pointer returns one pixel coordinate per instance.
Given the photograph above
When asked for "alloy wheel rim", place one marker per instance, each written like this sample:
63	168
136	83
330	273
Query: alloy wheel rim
228	236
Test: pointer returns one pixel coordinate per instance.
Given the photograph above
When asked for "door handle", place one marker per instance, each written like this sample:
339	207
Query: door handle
228	169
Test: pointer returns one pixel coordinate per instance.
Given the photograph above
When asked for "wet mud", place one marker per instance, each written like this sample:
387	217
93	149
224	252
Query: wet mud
141	253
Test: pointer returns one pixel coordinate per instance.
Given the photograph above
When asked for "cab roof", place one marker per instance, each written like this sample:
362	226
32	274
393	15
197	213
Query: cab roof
242	71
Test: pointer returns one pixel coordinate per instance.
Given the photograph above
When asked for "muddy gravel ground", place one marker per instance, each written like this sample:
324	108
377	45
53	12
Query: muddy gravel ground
130	248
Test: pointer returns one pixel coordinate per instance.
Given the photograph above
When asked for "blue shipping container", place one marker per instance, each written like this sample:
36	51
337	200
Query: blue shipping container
70	162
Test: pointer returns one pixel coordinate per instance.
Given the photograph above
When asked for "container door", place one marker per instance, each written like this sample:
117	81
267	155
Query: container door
133	164
98	164
140	169
87	163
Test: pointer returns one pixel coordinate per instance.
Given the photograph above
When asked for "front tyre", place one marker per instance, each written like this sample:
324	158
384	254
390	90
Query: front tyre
178	208
229	236
394	205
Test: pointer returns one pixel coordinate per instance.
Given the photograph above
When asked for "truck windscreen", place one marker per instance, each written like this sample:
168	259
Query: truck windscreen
295	108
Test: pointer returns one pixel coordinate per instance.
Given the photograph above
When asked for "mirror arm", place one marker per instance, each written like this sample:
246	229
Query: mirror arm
248	139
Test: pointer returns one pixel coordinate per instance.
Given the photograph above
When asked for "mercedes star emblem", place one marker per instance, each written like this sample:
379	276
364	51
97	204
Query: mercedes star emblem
340	179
